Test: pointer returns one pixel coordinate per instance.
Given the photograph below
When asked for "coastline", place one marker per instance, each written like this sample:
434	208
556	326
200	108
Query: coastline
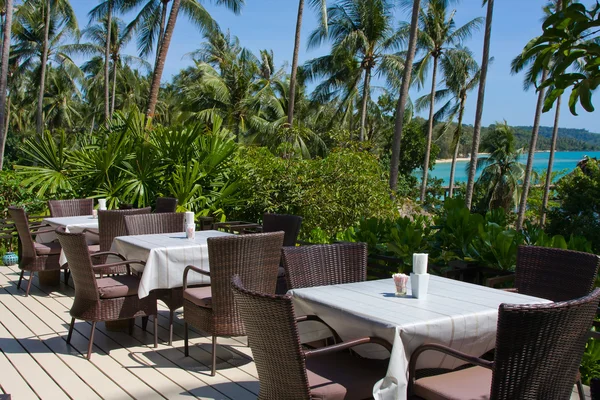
458	159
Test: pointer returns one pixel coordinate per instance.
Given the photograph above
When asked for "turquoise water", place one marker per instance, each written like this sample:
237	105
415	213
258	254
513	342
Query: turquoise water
563	160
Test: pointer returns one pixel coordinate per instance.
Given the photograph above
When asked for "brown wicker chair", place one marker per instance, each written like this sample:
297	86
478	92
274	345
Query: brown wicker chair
165	205
285	370
212	309
538	352
321	265
103	299
71	208
110	225
33	256
146	224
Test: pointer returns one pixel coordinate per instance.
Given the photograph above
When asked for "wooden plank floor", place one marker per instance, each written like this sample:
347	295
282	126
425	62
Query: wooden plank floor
36	362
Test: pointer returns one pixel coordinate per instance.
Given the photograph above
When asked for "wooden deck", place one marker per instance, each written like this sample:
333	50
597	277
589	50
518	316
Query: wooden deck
36	362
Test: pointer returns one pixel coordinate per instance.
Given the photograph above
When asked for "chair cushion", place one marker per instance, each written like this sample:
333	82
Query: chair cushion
200	296
44	249
118	286
93	248
342	376
466	384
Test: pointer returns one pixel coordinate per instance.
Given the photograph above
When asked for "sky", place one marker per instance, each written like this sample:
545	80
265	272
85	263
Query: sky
270	24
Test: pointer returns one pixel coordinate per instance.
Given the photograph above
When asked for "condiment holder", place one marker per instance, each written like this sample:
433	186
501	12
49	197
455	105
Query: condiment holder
400	280
419	278
190	225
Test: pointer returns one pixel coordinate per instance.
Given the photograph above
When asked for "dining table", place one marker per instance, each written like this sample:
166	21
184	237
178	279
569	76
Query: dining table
456	314
74	224
166	255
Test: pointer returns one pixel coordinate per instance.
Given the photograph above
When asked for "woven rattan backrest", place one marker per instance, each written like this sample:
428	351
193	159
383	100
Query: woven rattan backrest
555	274
273	337
19	217
165	205
111	224
321	265
539	348
71	208
80	264
147	224
290	224
254	257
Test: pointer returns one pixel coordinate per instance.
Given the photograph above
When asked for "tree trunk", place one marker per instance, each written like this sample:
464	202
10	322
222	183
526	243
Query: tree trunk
93	123
429	132
401	106
161	30
114	85
455	155
292	93
4	78
550	162
480	101
365	102
44	61
160	66
107	62
532	148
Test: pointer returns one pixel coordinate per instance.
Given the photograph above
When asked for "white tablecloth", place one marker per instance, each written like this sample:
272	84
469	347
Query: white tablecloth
71	225
166	256
456	314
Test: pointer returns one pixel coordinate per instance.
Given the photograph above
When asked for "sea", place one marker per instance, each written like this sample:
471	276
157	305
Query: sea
564	162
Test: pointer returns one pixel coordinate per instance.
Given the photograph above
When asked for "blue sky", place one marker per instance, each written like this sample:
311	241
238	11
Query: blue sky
270	24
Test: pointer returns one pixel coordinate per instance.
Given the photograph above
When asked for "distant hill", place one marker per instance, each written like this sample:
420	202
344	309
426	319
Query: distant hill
569	139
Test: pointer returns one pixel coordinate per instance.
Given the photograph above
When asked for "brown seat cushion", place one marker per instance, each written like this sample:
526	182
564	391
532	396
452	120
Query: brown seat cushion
200	296
466	384
118	286
342	376
93	248
44	249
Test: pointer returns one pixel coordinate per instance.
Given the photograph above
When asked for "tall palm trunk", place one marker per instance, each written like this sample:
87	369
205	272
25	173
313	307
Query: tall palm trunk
161	29
114	85
480	101
292	94
160	65
550	162
107	62
364	103
44	61
4	78
429	131
461	113
531	155
401	106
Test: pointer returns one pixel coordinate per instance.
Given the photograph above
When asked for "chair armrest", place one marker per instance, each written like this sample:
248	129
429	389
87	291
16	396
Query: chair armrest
195	269
412	365
108	253
492	282
49	230
39	226
347	345
118	264
317	319
87	230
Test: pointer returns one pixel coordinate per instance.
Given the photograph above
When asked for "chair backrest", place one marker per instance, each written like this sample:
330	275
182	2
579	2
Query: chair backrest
19	217
290	224
111	224
80	264
71	208
255	258
322	265
147	224
555	274
165	205
273	337
539	348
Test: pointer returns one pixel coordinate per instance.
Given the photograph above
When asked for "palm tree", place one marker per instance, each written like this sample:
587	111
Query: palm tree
361	29
6	34
501	171
61	100
437	35
480	100
53	13
322	6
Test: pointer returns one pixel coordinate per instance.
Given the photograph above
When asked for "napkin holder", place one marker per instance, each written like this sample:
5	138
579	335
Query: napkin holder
419	284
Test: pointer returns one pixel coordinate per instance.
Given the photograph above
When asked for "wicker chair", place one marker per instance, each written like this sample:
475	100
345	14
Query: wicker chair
110	225
321	265
146	224
285	370
34	257
70	208
538	352
103	299
165	205
212	309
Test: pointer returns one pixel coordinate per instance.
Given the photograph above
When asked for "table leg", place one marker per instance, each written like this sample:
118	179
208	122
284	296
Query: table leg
49	278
